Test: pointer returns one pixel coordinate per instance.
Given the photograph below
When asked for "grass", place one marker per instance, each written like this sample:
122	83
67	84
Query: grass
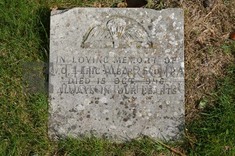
94	146
24	29
215	130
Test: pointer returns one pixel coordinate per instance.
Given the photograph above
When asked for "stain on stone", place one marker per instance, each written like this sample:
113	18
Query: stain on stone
124	112
118	113
93	131
112	97
73	127
72	110
88	116
133	104
125	119
166	117
150	27
105	136
134	113
125	97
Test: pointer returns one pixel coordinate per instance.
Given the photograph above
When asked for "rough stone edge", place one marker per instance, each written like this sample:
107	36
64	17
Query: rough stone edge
56	12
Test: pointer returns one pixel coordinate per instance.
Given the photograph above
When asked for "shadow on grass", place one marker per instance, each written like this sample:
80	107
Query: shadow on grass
36	73
43	27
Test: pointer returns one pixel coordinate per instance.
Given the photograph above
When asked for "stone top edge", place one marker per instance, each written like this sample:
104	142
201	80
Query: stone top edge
56	12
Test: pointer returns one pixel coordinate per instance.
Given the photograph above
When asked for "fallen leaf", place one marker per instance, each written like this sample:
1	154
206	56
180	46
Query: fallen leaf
232	35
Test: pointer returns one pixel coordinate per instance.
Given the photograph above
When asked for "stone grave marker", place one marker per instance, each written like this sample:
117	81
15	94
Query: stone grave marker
116	73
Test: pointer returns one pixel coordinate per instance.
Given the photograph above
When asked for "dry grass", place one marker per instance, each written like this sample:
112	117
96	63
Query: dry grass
206	30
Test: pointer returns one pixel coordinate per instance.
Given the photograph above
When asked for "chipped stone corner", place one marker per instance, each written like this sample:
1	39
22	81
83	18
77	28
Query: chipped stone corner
56	12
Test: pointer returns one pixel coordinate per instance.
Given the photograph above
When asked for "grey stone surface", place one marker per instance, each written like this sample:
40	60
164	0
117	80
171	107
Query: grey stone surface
116	73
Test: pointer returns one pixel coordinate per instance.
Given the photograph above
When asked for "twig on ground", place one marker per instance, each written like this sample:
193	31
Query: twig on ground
171	149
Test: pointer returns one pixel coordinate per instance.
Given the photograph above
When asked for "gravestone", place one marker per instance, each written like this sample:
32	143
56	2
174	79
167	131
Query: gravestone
116	73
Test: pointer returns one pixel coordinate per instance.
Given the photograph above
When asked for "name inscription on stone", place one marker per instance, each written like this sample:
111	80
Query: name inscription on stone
121	75
116	76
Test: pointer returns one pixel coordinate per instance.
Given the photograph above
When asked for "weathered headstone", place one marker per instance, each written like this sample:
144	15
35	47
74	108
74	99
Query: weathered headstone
117	73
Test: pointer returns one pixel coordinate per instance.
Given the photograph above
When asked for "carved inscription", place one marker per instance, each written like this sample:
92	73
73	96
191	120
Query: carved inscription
117	32
122	75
